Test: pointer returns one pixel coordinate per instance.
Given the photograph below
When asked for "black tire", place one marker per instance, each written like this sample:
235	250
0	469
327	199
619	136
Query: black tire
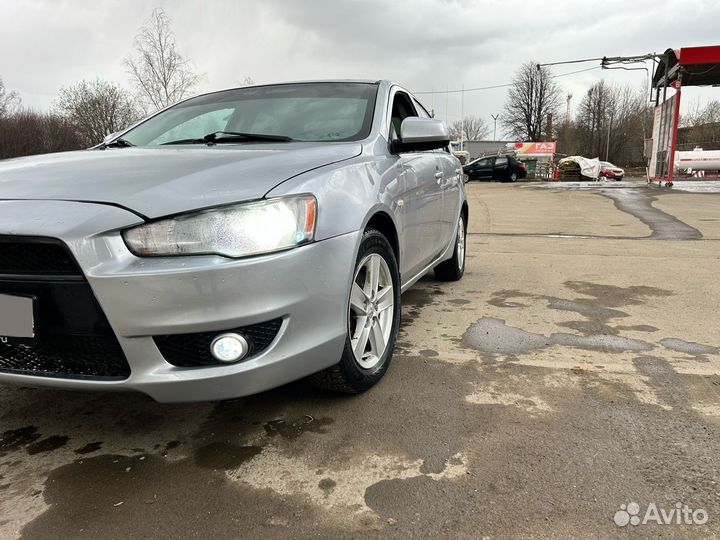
513	177
454	268
348	376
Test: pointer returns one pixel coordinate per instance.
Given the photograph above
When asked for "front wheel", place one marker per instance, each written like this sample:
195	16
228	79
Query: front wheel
373	319
454	268
513	177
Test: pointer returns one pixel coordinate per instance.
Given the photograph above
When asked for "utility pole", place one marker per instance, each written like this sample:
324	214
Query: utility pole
447	94
567	108
607	146
462	119
495	119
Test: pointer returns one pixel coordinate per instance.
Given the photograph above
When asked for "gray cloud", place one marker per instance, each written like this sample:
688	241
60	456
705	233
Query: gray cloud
424	44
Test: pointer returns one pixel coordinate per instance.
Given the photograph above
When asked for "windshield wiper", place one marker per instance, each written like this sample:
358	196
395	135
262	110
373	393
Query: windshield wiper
117	143
233	136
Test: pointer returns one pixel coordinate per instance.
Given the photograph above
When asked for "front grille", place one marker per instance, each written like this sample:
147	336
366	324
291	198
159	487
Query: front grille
193	350
97	357
36	257
74	338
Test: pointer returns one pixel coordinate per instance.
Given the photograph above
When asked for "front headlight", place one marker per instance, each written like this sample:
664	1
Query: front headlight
231	231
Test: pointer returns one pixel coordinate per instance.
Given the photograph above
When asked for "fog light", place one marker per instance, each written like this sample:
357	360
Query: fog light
229	347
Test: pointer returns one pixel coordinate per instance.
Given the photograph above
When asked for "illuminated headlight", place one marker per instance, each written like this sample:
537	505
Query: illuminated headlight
231	231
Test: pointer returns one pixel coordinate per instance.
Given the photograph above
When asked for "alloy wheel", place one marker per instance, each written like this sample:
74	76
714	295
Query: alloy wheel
372	307
461	243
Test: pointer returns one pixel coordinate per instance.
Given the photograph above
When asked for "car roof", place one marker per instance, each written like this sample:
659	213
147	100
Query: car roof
509	156
318	81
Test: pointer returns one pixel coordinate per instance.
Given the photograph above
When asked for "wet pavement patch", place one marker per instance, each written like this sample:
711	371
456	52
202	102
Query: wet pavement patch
688	347
115	496
292	429
664	226
503	299
585	309
14	439
89	448
600	306
172	445
614	296
493	336
48	445
224	455
638	328
589	328
327	484
601	342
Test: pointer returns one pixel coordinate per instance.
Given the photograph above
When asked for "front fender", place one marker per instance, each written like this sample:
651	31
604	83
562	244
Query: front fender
349	194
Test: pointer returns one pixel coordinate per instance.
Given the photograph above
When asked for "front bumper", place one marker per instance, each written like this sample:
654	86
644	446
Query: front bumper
306	288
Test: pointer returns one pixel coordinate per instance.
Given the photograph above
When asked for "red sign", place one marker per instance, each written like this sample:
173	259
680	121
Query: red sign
536	147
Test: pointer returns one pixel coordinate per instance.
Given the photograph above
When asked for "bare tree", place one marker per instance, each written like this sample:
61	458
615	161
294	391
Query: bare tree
26	132
612	121
9	101
95	109
702	127
532	99
160	74
246	81
595	115
475	129
455	129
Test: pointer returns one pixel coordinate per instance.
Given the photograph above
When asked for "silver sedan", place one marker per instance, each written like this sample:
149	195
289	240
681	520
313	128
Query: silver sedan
229	244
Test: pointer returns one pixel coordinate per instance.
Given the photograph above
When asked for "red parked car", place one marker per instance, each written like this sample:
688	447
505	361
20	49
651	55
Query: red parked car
610	171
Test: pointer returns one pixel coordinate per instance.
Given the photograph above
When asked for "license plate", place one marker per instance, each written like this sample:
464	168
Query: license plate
17	318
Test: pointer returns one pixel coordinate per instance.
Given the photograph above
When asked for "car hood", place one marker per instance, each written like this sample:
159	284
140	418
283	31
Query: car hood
156	182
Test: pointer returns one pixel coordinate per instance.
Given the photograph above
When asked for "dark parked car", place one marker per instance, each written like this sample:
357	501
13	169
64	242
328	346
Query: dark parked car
502	168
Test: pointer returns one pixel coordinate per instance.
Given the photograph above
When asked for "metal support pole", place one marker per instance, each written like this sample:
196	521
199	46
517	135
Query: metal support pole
607	145
673	144
495	119
462	118
447	94
666	59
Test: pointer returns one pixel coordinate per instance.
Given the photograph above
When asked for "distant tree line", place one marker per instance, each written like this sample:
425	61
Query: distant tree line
83	114
473	128
700	127
611	121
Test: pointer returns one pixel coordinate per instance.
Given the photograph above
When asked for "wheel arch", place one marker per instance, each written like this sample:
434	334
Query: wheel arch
383	223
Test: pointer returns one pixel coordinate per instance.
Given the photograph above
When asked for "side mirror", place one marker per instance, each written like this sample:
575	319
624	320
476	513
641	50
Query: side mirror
418	134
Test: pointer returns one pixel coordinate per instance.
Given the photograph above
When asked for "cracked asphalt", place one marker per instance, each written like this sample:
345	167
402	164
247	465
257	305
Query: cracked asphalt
574	369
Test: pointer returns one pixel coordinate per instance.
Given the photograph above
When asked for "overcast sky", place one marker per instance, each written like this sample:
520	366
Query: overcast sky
423	44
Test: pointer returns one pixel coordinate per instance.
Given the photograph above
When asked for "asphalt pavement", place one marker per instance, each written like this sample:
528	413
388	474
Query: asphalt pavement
565	388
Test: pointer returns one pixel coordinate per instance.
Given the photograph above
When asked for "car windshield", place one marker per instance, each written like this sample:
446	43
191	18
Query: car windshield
301	112
606	164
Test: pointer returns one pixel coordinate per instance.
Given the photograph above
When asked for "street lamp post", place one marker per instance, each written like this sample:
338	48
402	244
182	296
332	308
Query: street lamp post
607	145
495	119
